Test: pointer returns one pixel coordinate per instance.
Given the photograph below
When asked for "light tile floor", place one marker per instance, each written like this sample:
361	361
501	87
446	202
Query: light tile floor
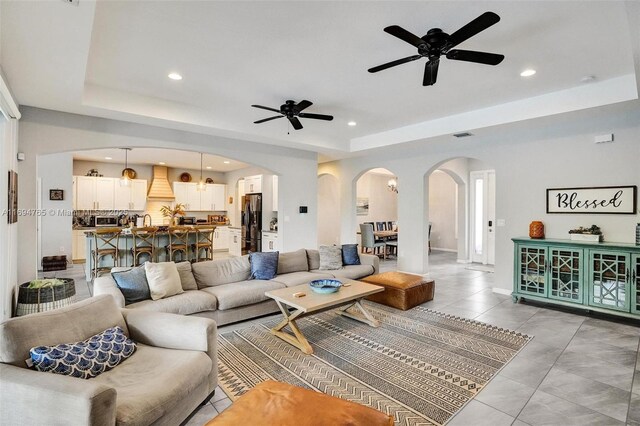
577	370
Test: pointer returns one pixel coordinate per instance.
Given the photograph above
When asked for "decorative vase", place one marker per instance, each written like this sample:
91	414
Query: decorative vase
536	229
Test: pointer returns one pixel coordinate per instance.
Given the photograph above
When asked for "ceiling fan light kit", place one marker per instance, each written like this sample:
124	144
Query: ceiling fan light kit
437	43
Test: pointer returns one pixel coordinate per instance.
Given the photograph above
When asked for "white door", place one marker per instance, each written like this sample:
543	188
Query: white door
482	226
219	197
206	198
193	197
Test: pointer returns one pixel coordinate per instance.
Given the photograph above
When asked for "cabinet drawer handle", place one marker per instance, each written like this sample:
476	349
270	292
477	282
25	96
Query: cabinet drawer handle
627	275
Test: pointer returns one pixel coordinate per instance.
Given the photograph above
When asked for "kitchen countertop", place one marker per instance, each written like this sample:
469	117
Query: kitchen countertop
89	229
269	232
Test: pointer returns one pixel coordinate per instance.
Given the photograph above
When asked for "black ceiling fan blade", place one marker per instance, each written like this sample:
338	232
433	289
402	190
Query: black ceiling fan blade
302	105
404	35
473	56
431	72
295	123
268	119
479	24
267	108
394	63
315	116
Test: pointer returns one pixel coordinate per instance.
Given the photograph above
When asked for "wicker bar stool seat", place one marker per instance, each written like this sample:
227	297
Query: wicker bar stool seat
106	242
203	243
178	242
144	244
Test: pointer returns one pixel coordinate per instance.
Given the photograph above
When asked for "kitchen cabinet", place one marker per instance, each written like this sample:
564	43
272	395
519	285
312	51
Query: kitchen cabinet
95	193
211	199
221	238
602	277
132	197
253	184
275	193
269	241
235	242
241	190
78	246
74	193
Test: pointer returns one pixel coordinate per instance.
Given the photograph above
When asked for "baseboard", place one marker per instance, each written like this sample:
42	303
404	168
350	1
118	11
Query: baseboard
463	261
444	249
501	291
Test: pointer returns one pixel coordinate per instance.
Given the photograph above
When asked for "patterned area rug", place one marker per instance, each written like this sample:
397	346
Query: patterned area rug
420	366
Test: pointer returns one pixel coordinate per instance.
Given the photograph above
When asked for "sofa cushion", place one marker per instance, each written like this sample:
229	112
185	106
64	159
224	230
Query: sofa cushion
141	382
132	284
86	359
293	261
187	280
242	293
330	258
221	271
163	279
313	258
353	272
264	266
189	302
350	254
297	278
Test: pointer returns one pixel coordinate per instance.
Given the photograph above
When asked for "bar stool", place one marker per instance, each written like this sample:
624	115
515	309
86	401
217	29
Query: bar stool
105	243
144	243
178	242
204	241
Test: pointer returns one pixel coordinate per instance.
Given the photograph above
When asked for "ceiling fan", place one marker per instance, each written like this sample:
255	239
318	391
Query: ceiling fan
292	111
436	43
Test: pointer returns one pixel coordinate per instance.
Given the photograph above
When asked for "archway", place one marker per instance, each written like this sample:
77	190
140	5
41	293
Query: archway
328	209
460	194
376	197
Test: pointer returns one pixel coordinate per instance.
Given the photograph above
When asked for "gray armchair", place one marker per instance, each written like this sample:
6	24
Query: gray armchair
173	370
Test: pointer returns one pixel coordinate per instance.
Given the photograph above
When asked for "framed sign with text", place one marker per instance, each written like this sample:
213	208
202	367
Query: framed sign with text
596	200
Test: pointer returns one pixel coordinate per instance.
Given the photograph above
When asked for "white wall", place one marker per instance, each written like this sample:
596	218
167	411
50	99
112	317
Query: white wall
8	233
45	132
442	211
383	204
56	224
328	210
528	157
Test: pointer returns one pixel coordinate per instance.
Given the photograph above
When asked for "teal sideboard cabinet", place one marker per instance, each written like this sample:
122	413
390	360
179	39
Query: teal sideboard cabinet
602	277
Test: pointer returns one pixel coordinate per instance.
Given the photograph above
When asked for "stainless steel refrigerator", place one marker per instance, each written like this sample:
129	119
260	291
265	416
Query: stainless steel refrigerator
251	223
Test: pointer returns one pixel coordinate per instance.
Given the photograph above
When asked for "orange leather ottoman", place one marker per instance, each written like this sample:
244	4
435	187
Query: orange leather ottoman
275	403
401	290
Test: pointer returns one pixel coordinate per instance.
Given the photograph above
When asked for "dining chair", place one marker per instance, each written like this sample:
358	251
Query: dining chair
368	240
105	244
203	243
178	243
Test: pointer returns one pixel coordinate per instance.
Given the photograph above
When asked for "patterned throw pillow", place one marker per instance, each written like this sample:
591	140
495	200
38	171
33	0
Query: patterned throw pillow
330	258
132	284
85	359
264	266
350	254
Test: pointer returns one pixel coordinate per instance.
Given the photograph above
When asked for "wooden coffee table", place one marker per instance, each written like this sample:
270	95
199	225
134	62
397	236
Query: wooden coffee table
350	294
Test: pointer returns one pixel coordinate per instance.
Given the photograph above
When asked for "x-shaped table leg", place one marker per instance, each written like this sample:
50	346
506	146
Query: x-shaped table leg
363	315
298	340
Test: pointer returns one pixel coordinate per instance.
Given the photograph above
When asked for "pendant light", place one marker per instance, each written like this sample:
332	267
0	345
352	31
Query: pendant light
201	184
125	180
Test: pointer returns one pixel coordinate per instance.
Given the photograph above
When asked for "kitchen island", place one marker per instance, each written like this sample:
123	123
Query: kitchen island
125	244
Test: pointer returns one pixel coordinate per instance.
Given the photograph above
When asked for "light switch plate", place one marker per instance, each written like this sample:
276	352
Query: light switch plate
501	222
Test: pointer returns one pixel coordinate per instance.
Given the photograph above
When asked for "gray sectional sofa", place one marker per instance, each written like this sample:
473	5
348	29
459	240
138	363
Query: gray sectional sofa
226	294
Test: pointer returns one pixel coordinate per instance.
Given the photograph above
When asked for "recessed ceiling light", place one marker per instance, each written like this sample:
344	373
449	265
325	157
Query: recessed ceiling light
351	123
108	158
175	76
209	167
226	162
162	163
527	73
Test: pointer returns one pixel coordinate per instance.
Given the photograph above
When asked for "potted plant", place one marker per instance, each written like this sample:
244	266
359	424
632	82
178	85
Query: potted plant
593	234
173	213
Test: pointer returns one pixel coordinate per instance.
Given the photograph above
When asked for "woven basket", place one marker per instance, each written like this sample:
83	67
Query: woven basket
32	300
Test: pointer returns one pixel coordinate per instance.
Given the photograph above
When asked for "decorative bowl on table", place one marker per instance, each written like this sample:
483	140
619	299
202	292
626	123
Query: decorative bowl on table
325	286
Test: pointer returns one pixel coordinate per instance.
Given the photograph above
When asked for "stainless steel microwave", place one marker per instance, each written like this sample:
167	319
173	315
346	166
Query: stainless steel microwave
106	221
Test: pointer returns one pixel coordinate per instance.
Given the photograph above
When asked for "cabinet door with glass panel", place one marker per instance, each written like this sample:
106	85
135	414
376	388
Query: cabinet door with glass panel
635	283
531	270
609	279
565	270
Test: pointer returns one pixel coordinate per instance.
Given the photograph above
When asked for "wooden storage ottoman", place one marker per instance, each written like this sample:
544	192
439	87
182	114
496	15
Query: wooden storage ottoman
402	291
273	403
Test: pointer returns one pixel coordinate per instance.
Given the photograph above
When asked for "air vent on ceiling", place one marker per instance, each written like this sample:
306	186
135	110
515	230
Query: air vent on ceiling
462	134
73	2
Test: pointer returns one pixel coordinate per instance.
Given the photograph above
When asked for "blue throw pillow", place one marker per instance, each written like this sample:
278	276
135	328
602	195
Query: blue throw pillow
350	254
133	284
264	266
85	359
